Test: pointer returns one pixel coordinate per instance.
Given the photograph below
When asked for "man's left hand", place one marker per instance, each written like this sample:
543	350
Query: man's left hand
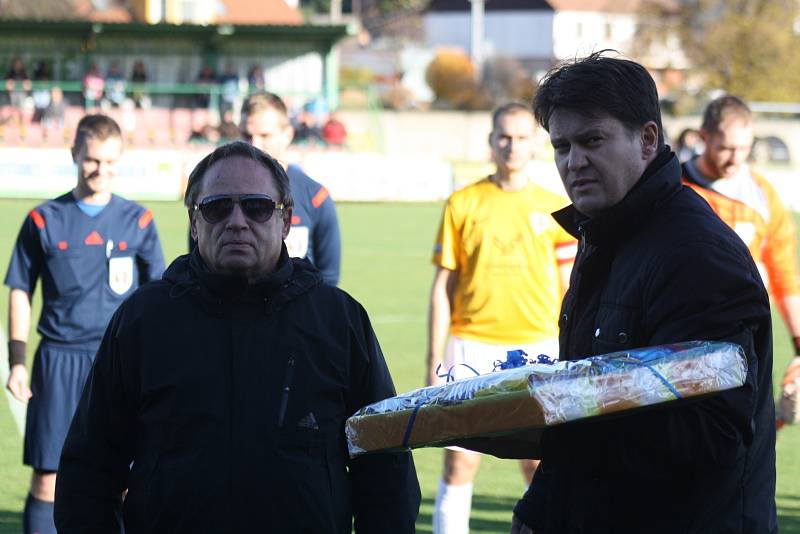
792	373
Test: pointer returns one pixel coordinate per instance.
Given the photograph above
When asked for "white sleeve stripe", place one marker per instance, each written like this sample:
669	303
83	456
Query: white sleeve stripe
566	252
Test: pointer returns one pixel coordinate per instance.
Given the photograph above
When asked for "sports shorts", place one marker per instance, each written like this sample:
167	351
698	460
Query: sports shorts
59	373
464	358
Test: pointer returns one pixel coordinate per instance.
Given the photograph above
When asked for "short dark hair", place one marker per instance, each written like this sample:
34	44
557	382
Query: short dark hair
510	108
262	101
598	84
96	126
723	108
242	149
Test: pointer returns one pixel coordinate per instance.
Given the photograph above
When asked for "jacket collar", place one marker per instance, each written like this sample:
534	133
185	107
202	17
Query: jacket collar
232	287
660	180
292	277
692	174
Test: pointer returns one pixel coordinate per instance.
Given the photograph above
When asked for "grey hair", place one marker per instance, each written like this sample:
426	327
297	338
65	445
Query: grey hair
242	149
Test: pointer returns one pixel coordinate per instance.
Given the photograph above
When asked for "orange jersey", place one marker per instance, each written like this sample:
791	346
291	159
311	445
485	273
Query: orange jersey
750	205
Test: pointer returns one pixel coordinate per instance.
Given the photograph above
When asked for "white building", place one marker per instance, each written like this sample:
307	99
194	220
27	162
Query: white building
520	29
539	33
582	27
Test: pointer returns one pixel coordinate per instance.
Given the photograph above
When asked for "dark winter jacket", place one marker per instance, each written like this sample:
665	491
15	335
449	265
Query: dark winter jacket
228	401
660	267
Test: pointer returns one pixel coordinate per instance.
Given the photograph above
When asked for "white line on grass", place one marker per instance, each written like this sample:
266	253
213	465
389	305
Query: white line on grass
17	408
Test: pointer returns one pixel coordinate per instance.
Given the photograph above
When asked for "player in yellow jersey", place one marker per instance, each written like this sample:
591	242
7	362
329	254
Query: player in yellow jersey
502	266
750	205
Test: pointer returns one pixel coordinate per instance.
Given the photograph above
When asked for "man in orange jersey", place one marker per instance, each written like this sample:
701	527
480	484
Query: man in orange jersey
750	205
502	266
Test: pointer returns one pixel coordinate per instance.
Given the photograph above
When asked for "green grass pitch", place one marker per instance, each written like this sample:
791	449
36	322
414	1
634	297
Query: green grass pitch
386	266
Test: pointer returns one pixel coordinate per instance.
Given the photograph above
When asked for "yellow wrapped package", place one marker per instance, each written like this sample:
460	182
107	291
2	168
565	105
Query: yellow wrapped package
504	412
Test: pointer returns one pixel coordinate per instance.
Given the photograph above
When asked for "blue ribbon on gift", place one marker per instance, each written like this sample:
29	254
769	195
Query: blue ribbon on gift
662	378
410	425
448	376
516	358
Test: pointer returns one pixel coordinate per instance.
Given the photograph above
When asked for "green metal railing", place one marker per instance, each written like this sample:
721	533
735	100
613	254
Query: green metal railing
213	91
209	96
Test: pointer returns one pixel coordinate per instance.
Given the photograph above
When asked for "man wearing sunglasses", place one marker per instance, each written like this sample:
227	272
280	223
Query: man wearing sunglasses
220	392
89	249
315	227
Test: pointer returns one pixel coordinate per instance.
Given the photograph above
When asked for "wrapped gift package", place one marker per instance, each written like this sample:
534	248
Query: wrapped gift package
513	406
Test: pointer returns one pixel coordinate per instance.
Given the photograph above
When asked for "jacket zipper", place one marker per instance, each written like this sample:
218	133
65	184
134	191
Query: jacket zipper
287	387
576	276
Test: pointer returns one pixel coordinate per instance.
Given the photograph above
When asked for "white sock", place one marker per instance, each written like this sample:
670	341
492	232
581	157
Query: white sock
452	508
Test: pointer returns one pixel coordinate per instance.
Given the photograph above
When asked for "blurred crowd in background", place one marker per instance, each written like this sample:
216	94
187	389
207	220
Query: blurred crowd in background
37	109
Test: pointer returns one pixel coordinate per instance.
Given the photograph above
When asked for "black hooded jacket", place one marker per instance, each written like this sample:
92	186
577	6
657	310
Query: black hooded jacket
228	401
657	268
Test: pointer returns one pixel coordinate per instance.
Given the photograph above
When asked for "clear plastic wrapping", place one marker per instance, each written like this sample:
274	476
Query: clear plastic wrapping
514	403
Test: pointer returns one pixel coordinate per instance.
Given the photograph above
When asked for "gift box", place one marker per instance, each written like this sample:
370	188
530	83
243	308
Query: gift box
504	412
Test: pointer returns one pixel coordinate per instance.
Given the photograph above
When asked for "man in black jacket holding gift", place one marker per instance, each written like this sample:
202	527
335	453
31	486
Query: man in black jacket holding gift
654	266
219	394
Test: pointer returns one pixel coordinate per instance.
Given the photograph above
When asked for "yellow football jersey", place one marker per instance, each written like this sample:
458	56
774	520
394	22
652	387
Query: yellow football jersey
507	250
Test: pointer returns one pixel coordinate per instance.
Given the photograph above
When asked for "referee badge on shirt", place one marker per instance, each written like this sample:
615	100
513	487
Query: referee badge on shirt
297	241
120	274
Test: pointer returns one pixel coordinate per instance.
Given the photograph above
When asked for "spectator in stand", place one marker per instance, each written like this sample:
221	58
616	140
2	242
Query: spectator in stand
333	131
255	79
207	135
17	84
690	145
115	85
306	132
41	93
317	106
228	130
93	86
139	75
229	89
205	79
53	116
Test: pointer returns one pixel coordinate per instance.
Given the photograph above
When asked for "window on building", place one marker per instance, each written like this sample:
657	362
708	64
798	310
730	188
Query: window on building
189	12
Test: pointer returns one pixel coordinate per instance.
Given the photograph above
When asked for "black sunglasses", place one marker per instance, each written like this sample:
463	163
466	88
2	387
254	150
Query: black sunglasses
257	208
